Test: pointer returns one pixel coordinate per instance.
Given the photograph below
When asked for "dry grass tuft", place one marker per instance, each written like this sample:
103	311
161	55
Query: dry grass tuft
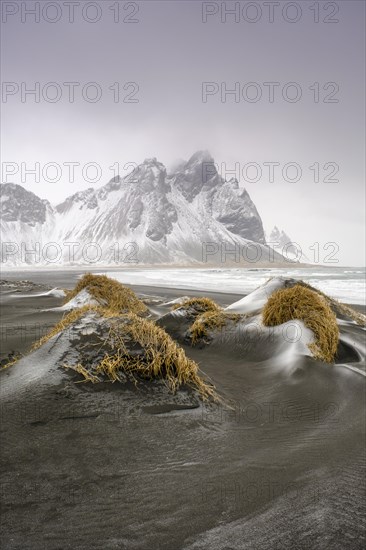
207	316
307	305
134	347
113	297
198	305
109	293
338	307
347	311
152	354
137	348
68	294
210	320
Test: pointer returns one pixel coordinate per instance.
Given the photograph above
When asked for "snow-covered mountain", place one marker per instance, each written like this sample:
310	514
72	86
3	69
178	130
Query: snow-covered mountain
190	216
281	242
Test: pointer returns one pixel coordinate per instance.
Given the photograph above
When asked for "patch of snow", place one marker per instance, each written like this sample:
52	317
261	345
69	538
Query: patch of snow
255	301
83	298
176	301
55	292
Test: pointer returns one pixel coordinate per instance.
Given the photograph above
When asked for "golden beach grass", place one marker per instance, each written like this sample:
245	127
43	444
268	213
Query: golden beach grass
210	320
109	293
199	305
338	307
160	357
307	305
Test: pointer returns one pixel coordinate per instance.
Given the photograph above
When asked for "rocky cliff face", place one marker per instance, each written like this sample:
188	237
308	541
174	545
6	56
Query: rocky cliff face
17	204
160	218
224	200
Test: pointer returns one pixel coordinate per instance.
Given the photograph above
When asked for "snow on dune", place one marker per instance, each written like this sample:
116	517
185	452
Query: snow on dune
255	301
83	298
54	292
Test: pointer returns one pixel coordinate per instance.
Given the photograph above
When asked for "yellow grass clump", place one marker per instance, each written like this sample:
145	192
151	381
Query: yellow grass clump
109	293
157	356
210	320
113	297
338	307
307	305
136	347
208	316
200	305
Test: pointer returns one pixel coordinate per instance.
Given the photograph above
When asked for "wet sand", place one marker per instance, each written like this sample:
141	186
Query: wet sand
87	468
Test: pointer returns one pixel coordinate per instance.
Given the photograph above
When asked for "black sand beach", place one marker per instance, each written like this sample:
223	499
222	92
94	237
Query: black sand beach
119	467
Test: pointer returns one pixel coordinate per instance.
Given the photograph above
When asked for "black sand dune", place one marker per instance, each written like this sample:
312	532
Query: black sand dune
279	465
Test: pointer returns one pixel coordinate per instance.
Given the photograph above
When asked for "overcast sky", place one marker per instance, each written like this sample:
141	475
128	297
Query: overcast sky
168	53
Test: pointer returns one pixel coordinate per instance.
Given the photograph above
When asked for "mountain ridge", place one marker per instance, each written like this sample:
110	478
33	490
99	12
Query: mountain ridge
170	218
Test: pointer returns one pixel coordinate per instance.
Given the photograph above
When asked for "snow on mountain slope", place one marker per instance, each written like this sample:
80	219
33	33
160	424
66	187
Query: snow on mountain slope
148	217
199	182
24	218
281	242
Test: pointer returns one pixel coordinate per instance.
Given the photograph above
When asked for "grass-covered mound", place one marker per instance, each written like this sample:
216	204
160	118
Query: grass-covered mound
109	293
206	315
130	347
210	320
113	297
307	305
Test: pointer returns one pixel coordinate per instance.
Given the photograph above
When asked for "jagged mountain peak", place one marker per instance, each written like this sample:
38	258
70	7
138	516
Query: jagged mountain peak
167	217
200	156
201	166
279	240
176	166
151	161
279	236
151	166
19	204
151	175
197	175
233	182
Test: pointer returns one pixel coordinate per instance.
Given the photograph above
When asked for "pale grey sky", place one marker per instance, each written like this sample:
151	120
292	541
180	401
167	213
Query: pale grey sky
168	53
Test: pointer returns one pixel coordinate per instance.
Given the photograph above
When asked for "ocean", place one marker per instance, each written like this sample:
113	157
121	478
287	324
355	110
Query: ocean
346	284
